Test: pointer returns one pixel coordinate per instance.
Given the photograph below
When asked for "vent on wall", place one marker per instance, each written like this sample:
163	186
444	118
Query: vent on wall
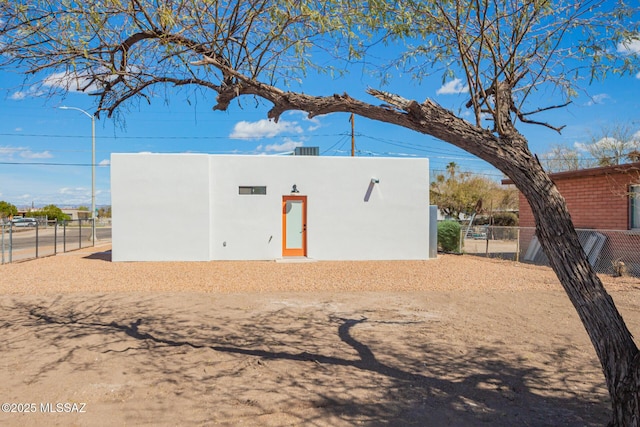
307	151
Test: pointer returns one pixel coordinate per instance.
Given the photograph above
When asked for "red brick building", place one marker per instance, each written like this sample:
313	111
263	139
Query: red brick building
606	198
604	204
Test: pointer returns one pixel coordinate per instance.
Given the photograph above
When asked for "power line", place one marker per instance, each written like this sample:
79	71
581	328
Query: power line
171	137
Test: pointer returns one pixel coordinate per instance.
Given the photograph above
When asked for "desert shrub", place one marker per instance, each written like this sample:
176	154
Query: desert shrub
449	236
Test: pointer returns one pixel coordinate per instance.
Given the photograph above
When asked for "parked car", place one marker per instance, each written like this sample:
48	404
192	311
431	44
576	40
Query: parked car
24	222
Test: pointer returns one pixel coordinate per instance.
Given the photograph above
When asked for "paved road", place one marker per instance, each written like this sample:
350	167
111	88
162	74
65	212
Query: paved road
29	242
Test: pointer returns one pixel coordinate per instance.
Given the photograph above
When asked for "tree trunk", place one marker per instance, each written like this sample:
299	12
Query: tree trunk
507	150
609	335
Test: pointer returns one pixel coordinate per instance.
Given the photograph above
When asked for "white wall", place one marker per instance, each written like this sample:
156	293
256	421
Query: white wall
160	207
393	223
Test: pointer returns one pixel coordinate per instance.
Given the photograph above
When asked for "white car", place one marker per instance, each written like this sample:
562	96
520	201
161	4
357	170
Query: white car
24	222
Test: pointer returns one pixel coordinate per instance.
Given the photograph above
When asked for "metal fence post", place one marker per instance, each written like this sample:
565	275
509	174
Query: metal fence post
80	233
518	244
10	243
2	228
55	237
37	236
486	250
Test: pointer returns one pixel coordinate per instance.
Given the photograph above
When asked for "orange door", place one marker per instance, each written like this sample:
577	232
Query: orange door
294	225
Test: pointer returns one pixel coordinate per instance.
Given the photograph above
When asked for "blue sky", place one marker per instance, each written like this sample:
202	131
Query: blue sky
45	151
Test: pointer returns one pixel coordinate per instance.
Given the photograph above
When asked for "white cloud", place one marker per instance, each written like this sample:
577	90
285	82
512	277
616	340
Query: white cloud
23	152
30	93
24	197
314	122
638	76
598	99
287	145
72	82
28	154
17	96
72	190
105	162
631	46
66	80
263	129
73	196
8	151
453	87
603	143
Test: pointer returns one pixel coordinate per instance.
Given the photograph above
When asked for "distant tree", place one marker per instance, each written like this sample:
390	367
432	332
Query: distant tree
83	208
459	193
504	219
104	212
634	156
613	145
52	212
505	198
7	209
562	158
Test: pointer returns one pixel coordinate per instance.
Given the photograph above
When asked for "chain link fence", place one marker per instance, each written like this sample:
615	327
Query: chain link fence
614	252
22	241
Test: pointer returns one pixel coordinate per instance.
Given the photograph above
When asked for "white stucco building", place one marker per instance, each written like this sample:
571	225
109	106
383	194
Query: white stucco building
199	207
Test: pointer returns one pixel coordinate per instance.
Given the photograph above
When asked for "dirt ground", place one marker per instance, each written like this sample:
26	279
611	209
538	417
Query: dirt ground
457	341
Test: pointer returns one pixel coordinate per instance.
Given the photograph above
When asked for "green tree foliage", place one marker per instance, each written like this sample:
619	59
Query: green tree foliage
505	219
7	209
459	193
498	219
52	212
503	52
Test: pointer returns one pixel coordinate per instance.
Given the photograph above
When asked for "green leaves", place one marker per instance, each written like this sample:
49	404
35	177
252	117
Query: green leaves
7	209
458	193
526	44
52	212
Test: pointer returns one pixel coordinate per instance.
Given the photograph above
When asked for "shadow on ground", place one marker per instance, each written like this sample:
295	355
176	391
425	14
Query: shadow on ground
101	256
157	360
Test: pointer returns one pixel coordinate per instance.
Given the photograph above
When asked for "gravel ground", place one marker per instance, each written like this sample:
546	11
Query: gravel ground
458	341
90	270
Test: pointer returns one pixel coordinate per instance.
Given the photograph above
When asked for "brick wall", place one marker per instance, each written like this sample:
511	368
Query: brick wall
596	198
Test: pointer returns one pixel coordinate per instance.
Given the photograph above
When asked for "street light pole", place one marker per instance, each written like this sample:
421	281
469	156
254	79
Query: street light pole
93	168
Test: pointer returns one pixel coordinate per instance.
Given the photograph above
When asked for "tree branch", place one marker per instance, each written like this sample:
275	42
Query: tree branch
522	116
